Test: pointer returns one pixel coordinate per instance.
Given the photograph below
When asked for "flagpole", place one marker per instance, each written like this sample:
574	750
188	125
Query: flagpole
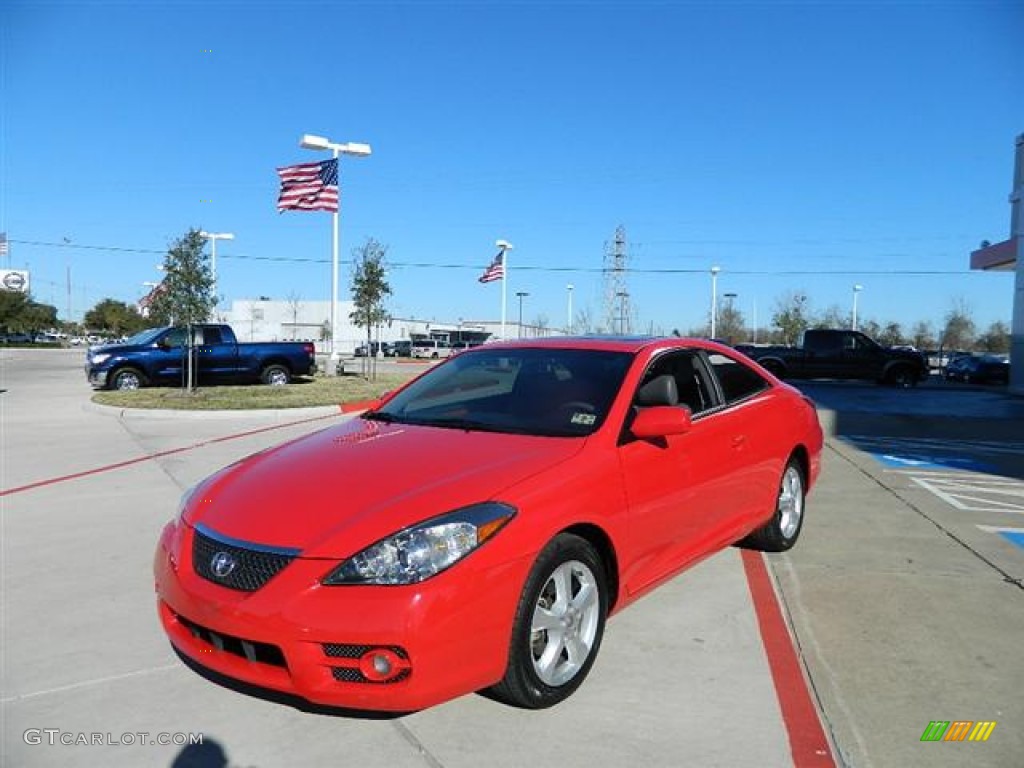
505	247
333	364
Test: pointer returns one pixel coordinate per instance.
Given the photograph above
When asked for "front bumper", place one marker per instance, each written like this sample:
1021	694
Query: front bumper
443	638
96	378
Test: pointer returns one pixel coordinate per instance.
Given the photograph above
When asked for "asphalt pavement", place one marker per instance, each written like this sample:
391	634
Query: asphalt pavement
899	607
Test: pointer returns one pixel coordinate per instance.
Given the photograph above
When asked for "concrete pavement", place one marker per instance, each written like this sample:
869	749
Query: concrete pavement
902	609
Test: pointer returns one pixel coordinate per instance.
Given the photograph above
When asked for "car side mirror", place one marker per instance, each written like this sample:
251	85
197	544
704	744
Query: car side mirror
661	421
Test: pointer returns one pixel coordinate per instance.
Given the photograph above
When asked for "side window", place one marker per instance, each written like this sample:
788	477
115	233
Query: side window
175	338
738	382
212	336
693	390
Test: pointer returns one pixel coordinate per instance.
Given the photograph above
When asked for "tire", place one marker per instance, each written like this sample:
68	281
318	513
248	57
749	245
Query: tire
781	532
901	376
127	379
558	626
275	375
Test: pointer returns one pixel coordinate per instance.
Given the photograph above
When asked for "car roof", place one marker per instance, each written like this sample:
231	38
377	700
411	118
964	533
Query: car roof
631	344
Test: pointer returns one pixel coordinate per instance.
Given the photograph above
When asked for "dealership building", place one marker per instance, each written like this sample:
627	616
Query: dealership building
1008	256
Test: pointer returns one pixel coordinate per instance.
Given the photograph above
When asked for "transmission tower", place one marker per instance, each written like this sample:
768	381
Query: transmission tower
618	312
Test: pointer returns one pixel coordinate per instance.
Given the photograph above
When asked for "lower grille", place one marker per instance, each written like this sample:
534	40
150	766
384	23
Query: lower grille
263	653
353	675
343	651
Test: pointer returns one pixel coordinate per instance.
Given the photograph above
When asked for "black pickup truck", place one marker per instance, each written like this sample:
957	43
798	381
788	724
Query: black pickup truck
839	354
160	356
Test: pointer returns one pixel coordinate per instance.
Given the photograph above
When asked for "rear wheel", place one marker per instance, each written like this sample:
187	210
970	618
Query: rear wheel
781	532
558	626
276	375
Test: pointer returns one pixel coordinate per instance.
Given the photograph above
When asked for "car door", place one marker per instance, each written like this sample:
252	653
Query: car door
681	490
755	426
168	358
216	357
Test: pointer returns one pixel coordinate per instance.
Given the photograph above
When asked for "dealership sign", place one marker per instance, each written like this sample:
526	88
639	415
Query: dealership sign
14	280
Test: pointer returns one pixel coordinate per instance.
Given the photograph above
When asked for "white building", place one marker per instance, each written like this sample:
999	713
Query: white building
277	320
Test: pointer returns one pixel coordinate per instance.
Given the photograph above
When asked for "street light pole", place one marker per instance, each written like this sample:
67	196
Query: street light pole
568	322
213	237
521	295
730	297
714	299
310	141
856	289
622	295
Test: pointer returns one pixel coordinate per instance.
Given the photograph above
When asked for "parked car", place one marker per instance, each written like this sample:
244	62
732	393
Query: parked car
543	485
841	354
401	348
18	337
381	347
979	369
431	348
159	356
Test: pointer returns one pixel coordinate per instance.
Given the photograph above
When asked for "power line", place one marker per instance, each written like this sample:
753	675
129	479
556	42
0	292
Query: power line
533	268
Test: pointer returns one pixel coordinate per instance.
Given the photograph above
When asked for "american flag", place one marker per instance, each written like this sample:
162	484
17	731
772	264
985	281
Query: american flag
3	243
494	271
309	187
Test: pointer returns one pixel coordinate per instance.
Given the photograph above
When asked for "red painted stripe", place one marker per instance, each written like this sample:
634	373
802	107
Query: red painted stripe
807	739
158	455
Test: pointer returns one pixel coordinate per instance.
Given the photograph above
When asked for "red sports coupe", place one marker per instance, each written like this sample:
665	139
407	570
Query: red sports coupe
475	529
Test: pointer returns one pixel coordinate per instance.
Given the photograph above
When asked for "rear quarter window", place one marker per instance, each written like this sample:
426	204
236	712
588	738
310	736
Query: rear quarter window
737	380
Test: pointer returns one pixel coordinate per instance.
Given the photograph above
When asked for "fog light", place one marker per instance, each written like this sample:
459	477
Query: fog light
381	665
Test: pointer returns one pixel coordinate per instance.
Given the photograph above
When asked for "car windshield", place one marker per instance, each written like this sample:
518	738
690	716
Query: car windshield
144	337
548	392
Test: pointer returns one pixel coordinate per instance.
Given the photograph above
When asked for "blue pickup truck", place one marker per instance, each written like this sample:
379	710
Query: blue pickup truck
160	356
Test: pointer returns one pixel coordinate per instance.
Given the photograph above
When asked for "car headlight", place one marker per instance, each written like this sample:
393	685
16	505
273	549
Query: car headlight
423	550
100	358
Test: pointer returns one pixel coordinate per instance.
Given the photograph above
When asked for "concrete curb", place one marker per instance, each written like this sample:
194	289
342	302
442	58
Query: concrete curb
273	415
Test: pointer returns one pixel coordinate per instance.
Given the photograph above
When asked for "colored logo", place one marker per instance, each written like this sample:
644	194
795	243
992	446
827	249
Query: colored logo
958	730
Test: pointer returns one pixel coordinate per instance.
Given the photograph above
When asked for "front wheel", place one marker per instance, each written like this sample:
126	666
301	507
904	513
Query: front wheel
276	375
781	532
558	626
127	379
902	377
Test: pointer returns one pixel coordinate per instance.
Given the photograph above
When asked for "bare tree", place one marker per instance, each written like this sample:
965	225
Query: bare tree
960	329
294	304
731	324
923	337
891	335
833	317
791	316
584	322
996	339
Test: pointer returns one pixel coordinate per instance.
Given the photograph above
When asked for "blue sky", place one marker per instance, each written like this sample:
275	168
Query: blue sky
801	147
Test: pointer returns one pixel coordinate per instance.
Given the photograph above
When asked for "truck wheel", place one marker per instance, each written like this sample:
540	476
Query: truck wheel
127	379
902	376
276	375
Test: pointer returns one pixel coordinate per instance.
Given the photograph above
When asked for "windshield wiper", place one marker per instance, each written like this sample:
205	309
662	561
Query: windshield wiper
387	418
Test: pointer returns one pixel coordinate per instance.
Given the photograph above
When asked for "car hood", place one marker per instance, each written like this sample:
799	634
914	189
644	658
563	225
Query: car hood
335	492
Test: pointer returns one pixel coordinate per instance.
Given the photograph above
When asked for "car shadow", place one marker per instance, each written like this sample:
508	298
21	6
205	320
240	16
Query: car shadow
286	699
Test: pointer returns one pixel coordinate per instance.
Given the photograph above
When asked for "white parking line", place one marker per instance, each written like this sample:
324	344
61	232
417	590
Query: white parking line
974	492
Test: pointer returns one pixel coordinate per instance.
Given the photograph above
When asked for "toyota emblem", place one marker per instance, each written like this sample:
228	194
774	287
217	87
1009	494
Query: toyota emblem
222	565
